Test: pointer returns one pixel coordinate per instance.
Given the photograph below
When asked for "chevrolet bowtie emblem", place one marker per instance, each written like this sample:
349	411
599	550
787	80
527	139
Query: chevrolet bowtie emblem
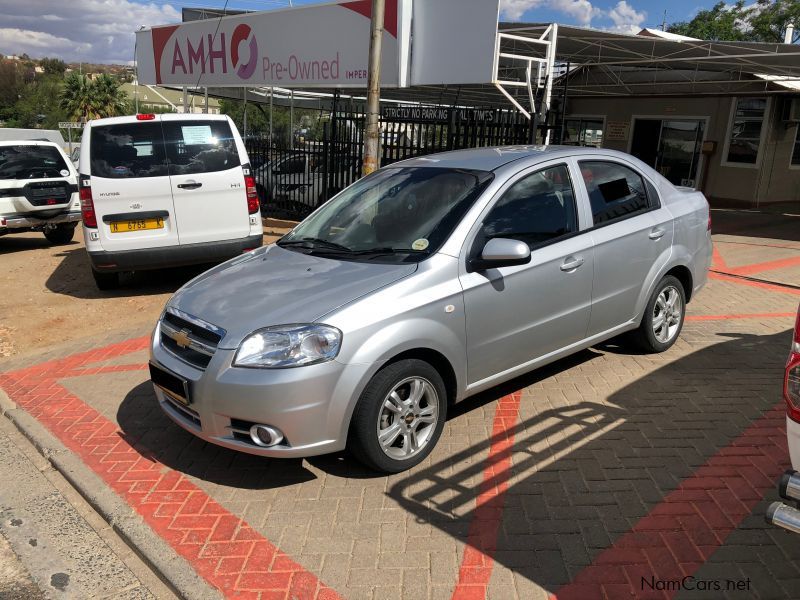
182	338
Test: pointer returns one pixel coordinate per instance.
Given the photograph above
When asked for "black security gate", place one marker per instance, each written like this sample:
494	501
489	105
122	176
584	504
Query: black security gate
295	177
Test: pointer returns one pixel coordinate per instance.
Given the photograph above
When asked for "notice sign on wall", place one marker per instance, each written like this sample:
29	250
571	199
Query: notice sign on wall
617	131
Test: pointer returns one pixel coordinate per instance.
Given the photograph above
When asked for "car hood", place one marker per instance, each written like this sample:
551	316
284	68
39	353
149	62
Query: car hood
274	286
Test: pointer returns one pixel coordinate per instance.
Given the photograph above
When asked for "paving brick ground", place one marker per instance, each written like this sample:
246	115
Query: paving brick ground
582	480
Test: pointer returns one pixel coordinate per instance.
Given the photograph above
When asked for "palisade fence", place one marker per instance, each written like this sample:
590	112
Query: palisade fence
296	176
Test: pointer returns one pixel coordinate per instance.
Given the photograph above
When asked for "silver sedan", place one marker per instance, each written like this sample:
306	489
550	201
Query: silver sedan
425	283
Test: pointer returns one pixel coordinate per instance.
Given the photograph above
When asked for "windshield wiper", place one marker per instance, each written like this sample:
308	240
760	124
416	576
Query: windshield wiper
313	243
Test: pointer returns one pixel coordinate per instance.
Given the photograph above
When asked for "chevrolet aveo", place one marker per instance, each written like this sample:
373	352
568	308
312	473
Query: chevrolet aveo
423	284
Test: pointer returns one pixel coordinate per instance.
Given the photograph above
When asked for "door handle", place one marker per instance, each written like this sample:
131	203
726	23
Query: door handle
191	185
571	265
657	234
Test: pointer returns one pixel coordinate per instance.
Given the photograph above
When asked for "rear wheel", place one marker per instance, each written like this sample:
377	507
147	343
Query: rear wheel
399	417
663	317
60	234
105	281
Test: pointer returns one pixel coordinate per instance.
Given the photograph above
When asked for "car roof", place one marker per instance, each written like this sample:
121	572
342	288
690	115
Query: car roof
492	158
158	117
28	143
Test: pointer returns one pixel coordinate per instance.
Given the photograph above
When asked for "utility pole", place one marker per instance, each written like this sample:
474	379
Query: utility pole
372	131
664	22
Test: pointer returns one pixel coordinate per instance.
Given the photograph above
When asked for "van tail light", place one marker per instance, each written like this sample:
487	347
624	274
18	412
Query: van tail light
145	117
252	194
87	204
791	381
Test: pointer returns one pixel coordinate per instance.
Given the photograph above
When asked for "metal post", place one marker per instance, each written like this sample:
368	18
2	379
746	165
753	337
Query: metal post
205	106
271	94
185	99
548	88
244	117
69	137
372	121
291	120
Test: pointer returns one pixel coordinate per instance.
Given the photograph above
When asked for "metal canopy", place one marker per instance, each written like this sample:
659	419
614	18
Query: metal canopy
600	63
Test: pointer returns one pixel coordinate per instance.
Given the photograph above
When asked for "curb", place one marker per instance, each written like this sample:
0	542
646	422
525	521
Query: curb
171	568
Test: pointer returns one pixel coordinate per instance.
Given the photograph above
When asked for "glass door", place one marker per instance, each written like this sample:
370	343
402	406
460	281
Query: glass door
671	146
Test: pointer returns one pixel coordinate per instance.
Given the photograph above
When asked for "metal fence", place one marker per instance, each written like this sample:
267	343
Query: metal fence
296	177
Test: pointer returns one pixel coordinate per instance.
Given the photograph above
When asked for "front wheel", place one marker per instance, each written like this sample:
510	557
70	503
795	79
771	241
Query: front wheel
663	317
60	234
399	417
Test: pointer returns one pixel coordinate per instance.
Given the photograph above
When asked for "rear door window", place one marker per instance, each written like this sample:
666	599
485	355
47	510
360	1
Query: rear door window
128	150
31	162
615	191
200	147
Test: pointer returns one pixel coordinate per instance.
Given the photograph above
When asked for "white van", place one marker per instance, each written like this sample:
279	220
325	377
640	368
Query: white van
165	190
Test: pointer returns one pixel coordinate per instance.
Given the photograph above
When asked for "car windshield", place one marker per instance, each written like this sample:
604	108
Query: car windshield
394	215
31	162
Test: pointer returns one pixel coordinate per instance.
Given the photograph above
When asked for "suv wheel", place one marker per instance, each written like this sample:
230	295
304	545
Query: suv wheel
663	317
60	234
399	417
106	281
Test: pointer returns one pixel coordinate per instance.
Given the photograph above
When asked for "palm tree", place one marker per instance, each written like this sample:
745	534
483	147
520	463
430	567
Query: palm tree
108	98
85	99
76	97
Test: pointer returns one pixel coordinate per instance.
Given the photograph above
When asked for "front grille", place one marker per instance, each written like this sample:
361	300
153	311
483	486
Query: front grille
186	413
189	339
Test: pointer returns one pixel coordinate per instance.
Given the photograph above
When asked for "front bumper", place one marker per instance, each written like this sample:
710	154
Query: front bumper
310	405
173	256
30	221
793	433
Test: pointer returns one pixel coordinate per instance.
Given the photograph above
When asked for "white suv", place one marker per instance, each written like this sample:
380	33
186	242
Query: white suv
165	190
38	190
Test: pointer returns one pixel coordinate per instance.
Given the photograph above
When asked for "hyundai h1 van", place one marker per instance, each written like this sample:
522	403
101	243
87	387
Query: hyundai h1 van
165	190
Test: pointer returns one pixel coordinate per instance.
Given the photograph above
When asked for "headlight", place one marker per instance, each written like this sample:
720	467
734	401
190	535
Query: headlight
289	346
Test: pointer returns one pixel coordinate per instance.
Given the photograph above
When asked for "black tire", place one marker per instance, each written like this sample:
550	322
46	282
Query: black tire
105	281
645	337
60	234
363	436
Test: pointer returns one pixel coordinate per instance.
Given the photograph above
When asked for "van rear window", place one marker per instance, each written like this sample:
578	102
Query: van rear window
28	161
128	150
200	146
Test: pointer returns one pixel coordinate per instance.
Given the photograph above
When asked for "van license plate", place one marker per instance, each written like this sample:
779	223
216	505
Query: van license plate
141	225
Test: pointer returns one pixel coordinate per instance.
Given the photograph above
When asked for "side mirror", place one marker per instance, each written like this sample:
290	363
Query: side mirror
502	252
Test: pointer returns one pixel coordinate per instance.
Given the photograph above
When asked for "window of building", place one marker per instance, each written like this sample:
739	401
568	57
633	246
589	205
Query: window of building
744	132
535	210
583	132
796	150
615	191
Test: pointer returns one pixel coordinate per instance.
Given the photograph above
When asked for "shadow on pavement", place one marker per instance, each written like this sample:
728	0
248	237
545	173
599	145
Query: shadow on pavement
584	472
73	277
20	243
766	225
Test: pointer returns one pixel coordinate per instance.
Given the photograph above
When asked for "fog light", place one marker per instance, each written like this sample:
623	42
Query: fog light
265	436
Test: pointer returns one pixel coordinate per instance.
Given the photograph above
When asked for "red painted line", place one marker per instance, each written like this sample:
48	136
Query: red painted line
740	316
757	284
764	266
219	545
477	562
717	262
683	531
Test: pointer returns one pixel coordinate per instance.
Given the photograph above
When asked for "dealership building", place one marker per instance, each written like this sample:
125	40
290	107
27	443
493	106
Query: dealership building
722	117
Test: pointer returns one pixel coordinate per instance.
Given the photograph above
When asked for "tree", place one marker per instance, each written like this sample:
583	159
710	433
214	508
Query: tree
764	21
76	97
53	66
85	99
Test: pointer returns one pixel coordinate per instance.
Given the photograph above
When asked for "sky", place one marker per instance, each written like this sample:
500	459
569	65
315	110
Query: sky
101	31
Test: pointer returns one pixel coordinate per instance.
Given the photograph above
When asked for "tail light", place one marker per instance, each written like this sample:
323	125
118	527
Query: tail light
87	204
145	117
252	193
791	382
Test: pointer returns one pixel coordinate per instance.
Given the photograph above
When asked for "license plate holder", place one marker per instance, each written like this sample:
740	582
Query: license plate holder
171	384
128	226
